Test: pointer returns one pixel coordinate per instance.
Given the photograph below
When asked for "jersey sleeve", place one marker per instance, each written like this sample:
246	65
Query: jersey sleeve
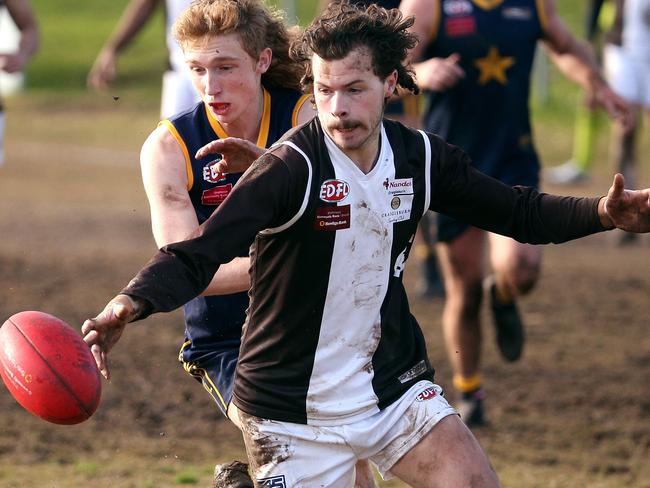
523	213
266	196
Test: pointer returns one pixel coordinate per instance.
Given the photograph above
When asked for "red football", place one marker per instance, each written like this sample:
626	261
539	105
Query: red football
48	368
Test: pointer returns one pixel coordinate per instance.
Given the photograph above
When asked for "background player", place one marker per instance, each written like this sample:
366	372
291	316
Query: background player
178	94
627	66
22	15
477	58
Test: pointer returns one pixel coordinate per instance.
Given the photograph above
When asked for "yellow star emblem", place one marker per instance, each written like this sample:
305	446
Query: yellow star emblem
493	67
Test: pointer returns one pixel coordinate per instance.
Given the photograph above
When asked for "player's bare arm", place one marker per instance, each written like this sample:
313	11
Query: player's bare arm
164	174
578	63
23	16
437	74
135	16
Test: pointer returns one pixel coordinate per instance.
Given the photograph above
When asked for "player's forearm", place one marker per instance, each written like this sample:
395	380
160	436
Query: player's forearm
29	41
578	63
133	19
230	278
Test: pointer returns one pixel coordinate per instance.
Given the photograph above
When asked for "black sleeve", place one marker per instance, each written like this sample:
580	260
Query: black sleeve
267	195
522	213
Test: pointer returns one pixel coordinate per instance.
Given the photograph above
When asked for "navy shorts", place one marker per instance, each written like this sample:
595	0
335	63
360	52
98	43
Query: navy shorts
522	170
214	368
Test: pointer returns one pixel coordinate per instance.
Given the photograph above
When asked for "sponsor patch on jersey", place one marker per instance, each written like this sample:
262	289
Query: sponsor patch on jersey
273	482
426	394
457	7
400	209
517	13
210	173
332	218
460	26
216	195
414	372
334	190
399	186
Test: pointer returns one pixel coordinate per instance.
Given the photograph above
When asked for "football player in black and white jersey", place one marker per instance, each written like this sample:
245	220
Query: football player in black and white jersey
333	367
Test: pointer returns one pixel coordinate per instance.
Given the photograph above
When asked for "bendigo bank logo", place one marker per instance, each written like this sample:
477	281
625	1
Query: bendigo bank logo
334	190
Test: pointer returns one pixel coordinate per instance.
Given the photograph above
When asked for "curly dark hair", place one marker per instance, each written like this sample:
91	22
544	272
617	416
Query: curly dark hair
342	27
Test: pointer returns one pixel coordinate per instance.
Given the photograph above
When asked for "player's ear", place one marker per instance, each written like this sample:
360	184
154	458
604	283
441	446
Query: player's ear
390	84
264	60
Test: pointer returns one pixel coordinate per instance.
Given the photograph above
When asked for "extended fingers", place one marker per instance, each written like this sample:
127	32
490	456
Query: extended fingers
100	359
210	148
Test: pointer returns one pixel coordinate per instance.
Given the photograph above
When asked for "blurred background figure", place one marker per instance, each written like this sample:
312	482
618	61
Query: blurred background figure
19	43
178	93
474	61
627	67
598	19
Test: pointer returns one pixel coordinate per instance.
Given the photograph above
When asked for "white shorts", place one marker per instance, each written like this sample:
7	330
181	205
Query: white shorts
178	93
629	77
288	455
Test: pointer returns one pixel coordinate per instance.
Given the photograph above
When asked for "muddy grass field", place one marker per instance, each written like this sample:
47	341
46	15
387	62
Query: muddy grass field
74	227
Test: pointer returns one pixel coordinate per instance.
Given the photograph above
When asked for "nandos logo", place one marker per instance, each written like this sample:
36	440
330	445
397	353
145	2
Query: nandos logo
334	190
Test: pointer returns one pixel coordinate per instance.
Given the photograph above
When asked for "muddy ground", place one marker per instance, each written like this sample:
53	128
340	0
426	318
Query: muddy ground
74	227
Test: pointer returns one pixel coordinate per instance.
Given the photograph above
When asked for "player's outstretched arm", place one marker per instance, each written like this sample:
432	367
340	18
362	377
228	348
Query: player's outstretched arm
628	210
237	154
135	16
102	332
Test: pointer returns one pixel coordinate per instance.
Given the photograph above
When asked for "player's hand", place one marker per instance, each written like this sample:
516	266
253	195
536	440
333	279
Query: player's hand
237	154
103	332
440	74
12	63
102	73
628	209
617	108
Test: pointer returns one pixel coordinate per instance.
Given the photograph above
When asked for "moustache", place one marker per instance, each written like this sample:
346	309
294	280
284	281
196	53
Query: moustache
346	124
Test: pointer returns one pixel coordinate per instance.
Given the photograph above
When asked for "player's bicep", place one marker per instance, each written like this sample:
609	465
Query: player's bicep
426	13
165	181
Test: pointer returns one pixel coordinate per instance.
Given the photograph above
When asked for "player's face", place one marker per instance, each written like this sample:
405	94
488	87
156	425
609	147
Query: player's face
350	102
227	78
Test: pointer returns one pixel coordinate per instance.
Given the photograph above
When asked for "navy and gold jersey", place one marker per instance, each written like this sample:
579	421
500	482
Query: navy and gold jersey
213	324
486	113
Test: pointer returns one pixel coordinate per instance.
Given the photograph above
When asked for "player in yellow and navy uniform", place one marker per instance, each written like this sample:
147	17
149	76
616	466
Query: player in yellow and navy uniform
475	61
213	323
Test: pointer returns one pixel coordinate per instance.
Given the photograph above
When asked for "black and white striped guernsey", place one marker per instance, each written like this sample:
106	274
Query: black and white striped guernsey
329	337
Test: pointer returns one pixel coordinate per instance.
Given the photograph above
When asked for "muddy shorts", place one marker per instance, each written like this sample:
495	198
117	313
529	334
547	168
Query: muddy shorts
288	455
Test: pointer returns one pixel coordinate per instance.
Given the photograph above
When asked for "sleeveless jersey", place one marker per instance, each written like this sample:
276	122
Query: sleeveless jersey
486	112
218	319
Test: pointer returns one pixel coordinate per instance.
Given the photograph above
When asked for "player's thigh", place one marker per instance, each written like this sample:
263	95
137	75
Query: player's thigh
621	73
283	454
449	456
510	257
462	259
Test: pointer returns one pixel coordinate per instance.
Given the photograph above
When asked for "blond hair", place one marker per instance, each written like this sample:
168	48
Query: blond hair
258	27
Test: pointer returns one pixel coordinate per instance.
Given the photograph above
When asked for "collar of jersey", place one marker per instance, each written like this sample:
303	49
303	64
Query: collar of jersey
487	4
262	135
338	156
